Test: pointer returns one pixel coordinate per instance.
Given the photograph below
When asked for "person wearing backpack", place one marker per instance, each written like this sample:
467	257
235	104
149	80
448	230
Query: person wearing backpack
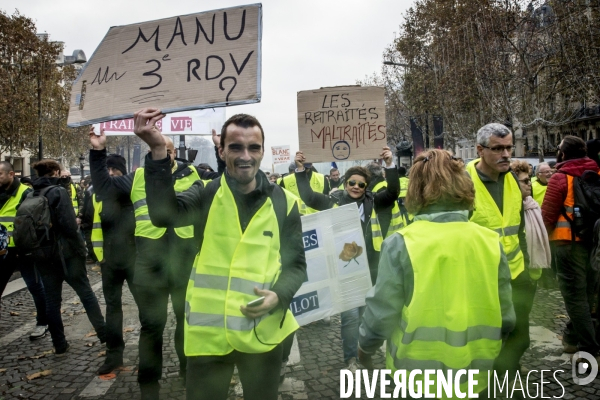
12	194
61	253
562	213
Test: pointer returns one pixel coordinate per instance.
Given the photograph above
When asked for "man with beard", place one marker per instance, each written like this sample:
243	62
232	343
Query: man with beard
164	257
499	206
334	179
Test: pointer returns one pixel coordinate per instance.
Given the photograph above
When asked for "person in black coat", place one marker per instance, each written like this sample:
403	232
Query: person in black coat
65	257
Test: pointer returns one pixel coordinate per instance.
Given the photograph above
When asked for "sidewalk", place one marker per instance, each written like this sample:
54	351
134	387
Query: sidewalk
313	372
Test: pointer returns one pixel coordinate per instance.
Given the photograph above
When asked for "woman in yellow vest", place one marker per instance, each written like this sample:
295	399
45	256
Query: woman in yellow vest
356	180
440	301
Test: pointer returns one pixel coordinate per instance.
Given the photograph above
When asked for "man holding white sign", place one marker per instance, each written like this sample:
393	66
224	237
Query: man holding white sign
245	275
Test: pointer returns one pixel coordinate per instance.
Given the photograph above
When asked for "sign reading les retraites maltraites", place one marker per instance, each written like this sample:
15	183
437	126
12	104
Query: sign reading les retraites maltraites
281	154
338	277
188	62
341	123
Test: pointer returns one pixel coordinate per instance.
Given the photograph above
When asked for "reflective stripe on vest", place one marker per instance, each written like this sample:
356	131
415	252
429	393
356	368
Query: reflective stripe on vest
562	229
230	264
403	186
97	235
506	224
396	222
74	199
317	184
9	212
454	319
143	225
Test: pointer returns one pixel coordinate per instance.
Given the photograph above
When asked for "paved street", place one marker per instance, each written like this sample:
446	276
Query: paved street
313	374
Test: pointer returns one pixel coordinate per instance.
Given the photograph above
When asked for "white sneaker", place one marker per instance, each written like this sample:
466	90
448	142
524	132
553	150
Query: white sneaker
352	366
38	332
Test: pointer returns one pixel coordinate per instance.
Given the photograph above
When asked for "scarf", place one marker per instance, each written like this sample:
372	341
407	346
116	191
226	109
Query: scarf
538	245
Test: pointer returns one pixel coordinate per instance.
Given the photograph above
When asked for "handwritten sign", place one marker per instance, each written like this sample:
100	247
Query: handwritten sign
190	62
197	122
341	123
281	154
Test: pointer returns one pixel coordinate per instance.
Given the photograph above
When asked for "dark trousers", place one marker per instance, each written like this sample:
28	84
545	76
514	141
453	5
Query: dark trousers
114	274
523	292
32	279
208	378
152	305
53	275
577	282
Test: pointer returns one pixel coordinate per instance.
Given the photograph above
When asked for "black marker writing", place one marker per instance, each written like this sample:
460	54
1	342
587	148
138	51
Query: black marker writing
143	37
100	79
241	29
193	70
152	73
223	88
222	67
199	28
178	31
239	70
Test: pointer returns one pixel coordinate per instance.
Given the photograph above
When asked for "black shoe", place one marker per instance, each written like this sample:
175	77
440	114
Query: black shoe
110	364
183	376
150	390
61	352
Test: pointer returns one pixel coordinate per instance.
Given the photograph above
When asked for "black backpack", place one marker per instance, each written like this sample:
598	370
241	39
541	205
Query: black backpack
586	209
32	229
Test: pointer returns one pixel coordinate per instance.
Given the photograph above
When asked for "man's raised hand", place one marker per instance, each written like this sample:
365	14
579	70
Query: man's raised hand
145	128
387	156
98	142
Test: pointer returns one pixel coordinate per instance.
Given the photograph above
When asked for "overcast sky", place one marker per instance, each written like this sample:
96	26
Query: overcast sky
306	44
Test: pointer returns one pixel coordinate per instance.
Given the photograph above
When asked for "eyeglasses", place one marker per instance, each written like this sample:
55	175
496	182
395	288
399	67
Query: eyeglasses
353	183
500	149
526	181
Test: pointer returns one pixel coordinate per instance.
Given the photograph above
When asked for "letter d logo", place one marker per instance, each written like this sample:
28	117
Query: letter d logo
583	366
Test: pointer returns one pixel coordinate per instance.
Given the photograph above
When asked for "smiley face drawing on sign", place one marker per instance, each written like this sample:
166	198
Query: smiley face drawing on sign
340	150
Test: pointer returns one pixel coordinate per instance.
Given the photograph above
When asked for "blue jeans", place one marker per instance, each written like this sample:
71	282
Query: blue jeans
350	324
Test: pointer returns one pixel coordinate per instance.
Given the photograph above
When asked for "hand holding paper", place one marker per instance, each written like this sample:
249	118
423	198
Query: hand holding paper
300	160
145	128
387	156
98	142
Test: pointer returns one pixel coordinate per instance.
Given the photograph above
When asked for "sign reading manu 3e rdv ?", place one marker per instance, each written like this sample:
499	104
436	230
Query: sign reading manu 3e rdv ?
196	61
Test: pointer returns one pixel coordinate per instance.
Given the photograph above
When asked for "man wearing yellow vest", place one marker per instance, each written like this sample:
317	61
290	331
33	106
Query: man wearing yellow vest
245	256
163	260
539	186
442	298
318	184
499	207
390	219
12	193
577	279
112	226
72	190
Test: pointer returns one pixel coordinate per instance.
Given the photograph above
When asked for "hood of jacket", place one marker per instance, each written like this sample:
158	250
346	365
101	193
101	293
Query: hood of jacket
45	181
577	167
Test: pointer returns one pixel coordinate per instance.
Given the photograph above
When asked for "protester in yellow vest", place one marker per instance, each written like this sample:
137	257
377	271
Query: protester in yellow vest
164	257
442	298
334	180
65	174
356	179
251	250
538	186
12	194
388	220
499	207
318	183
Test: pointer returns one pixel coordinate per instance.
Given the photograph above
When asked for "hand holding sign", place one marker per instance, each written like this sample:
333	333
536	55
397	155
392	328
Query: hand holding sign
145	128
387	156
98	142
216	138
300	160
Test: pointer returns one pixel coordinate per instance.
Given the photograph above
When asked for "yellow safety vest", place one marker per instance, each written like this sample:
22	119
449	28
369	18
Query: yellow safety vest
9	211
226	270
403	186
317	183
397	222
143	225
507	223
97	236
538	191
74	199
454	319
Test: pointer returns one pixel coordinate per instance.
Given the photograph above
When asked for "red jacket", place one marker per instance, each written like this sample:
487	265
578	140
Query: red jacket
557	188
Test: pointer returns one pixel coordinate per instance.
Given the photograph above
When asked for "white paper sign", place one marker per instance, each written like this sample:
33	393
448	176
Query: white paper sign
197	122
281	154
337	265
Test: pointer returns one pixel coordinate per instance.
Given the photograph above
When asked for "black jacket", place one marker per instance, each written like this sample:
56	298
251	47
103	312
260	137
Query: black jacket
159	262
167	208
64	226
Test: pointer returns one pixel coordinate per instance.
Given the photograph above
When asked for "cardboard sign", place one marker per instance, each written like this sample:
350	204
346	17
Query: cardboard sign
281	154
190	62
342	123
337	266
198	122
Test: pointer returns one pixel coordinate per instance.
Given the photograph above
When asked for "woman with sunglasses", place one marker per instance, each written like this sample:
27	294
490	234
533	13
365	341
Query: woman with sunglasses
443	297
356	180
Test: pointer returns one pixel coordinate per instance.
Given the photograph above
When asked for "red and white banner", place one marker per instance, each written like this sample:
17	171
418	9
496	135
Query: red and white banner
198	122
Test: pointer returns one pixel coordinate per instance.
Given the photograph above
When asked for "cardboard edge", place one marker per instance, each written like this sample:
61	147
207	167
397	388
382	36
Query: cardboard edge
259	51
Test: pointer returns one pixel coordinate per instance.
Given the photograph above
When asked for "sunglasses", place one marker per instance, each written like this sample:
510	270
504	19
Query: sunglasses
353	183
525	181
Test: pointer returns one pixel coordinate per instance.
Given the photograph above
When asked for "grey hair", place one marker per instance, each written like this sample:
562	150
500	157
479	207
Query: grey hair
494	129
375	169
537	169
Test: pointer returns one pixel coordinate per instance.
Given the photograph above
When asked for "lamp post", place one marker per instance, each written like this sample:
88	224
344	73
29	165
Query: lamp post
81	161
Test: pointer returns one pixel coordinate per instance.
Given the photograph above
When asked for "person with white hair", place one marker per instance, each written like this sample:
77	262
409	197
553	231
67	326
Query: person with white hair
539	185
